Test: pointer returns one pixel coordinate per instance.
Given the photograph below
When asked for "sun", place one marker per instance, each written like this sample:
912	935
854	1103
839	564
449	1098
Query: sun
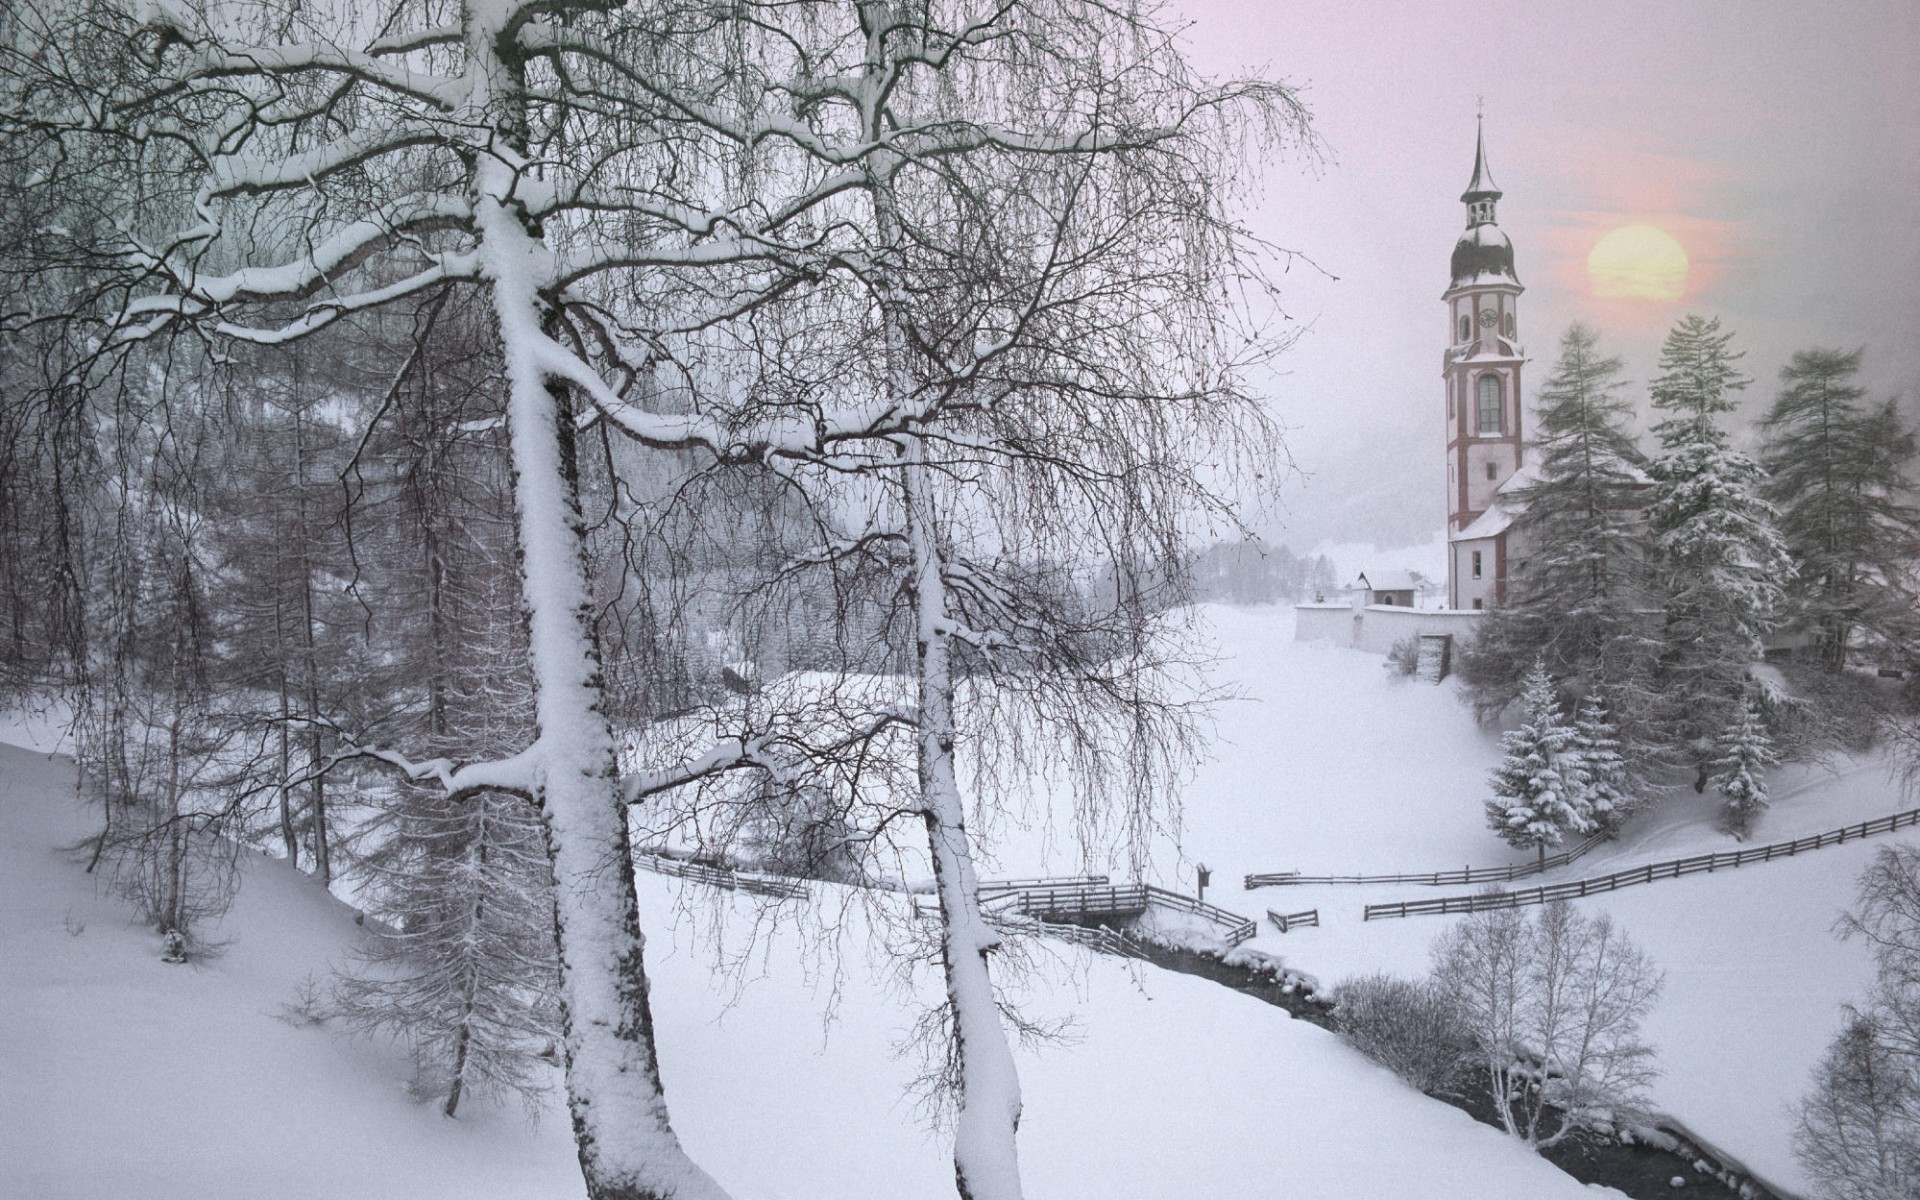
1637	262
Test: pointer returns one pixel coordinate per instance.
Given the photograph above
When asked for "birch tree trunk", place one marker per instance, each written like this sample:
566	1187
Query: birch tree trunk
985	1157
627	1148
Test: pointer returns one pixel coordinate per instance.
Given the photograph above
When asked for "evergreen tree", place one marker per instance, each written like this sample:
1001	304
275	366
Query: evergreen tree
1604	774
1739	770
1836	473
1720	560
1579	605
1538	797
467	973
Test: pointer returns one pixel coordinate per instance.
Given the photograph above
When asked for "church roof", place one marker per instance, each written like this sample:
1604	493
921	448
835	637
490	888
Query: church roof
1483	187
1388	581
1509	501
1483	255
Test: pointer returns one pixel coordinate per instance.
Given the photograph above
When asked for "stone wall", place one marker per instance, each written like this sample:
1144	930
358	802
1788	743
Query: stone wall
1377	627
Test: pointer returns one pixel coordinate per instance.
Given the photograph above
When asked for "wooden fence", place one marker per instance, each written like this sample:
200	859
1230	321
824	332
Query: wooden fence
1462	877
1289	921
1236	928
761	885
1634	876
1094	937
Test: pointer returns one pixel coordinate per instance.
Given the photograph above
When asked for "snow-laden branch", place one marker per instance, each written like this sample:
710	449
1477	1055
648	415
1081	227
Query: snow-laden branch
777	755
297	278
214	58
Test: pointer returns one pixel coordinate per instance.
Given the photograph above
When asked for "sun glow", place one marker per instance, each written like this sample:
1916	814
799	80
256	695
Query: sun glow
1637	262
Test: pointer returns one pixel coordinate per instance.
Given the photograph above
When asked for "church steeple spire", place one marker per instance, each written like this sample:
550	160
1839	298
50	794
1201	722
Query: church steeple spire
1482	192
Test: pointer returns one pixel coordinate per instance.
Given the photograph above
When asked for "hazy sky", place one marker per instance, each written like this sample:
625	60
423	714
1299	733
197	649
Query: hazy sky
1778	142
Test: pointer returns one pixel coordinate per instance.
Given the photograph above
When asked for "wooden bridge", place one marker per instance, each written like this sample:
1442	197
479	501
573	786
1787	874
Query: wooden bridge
1093	900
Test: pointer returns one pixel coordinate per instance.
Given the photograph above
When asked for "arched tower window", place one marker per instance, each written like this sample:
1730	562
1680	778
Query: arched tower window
1509	324
1466	327
1489	387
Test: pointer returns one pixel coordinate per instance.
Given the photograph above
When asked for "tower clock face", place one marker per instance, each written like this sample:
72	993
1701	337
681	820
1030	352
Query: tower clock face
1488	317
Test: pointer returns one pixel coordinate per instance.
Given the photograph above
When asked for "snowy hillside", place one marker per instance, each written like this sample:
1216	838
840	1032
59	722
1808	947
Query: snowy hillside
128	1077
1330	766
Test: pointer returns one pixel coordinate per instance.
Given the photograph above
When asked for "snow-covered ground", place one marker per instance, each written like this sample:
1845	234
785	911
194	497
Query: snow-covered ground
124	1076
1329	766
120	1075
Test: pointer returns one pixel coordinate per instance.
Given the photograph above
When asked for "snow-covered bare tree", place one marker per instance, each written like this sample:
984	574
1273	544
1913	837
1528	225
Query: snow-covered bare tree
278	169
1554	1008
1837	474
1721	563
1858	1130
1036	286
632	191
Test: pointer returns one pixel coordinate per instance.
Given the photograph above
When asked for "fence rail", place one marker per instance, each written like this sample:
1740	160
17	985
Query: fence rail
1459	878
1100	938
1634	876
760	885
994	887
1238	928
1286	922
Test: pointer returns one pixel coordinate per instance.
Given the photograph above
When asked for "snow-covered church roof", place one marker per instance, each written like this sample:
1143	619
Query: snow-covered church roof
1509	501
1483	255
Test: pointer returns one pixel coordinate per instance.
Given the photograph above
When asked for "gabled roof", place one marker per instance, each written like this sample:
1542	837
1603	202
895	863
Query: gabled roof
1387	581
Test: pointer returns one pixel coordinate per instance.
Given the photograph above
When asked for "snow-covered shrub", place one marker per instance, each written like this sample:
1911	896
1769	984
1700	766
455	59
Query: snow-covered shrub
799	831
1404	657
1408	1026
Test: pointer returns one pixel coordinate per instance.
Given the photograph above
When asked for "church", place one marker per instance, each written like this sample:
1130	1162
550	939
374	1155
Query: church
1484	439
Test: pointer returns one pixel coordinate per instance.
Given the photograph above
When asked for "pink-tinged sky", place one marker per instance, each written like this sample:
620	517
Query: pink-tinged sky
1778	141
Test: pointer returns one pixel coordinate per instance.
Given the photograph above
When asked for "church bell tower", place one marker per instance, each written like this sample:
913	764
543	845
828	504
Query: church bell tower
1482	373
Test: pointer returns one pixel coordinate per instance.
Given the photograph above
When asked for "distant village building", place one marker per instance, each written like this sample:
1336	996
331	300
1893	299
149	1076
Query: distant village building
1482	373
1388	587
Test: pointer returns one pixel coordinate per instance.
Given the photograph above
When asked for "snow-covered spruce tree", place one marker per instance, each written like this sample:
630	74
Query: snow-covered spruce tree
1739	769
1858	1130
1720	562
1539	788
1585	604
1838	475
464	971
1606	780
